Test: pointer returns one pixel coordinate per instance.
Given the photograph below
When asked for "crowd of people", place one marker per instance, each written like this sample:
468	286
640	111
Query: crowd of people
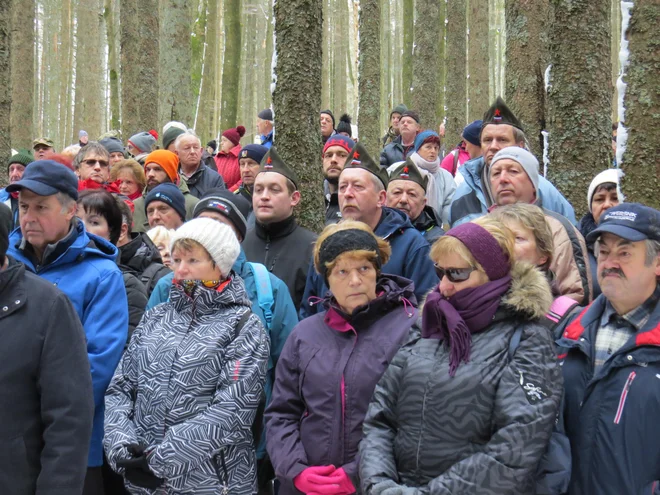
170	328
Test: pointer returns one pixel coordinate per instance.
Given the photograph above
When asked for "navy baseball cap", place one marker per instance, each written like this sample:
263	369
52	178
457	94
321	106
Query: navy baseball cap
631	221
46	178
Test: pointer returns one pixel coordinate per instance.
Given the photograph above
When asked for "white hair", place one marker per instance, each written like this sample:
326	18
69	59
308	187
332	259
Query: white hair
185	135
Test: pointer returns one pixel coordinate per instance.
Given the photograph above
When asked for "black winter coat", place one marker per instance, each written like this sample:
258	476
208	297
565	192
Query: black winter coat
429	225
137	297
46	398
483	431
141	257
395	152
203	180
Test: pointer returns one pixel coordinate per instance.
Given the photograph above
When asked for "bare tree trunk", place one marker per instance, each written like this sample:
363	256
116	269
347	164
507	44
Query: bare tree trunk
426	61
478	59
369	76
5	87
527	59
298	28
113	63
407	56
579	98
208	97
198	42
456	95
442	61
232	60
22	72
616	43
642	107
385	64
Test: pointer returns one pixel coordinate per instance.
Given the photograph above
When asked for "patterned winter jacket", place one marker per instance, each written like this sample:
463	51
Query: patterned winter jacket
482	431
188	388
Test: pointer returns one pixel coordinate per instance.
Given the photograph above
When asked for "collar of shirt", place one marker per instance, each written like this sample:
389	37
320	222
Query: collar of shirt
637	317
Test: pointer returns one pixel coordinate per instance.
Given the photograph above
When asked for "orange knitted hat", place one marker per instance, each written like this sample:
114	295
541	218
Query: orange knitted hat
167	160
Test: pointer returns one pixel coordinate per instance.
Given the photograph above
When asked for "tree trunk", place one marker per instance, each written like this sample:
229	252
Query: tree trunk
198	47
5	88
175	56
579	112
456	96
22	72
298	29
478	59
268	66
426	61
407	54
369	76
642	107
208	98
527	59
113	63
442	61
385	64
616	43
231	65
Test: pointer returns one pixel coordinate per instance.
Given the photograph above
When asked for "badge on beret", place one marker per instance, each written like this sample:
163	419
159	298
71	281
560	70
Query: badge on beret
269	164
244	154
404	173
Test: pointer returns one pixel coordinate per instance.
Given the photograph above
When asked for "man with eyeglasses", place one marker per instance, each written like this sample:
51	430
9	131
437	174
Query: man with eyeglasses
335	153
92	164
199	177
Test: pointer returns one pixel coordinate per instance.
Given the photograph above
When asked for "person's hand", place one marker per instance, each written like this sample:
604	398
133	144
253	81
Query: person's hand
345	484
319	480
137	470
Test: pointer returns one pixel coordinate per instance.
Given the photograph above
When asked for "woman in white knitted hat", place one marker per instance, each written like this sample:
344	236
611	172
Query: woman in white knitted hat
180	407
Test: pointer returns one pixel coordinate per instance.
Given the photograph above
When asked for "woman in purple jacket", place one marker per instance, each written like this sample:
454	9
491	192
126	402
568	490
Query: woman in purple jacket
332	361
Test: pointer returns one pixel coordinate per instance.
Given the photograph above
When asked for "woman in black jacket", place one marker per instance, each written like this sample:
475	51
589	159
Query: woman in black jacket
469	408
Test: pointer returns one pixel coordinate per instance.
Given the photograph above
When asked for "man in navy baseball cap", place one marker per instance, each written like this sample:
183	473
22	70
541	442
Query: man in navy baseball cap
631	221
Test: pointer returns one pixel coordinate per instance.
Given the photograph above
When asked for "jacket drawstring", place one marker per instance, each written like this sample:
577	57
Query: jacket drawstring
407	303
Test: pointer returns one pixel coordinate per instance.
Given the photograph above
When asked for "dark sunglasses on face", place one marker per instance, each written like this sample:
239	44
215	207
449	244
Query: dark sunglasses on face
454	274
90	162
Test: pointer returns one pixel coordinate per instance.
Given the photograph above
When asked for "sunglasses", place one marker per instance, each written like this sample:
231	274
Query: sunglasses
92	162
454	274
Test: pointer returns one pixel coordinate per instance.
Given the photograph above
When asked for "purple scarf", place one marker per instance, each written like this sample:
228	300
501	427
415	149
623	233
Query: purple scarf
454	320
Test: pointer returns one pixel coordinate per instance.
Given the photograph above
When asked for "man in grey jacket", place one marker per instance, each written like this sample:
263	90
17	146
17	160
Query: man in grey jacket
46	398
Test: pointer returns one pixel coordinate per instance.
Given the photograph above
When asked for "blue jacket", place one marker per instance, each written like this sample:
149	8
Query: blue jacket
88	274
470	202
267	141
12	204
410	259
611	419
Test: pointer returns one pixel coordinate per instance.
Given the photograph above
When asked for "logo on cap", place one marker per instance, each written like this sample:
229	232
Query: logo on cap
404	173
244	153
220	206
160	195
269	163
627	216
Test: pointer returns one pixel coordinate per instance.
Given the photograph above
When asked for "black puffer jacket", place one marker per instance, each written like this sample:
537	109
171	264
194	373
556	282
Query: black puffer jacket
137	300
587	224
482	431
141	258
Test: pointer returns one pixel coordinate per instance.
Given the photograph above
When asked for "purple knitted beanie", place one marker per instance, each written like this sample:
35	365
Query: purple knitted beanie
484	248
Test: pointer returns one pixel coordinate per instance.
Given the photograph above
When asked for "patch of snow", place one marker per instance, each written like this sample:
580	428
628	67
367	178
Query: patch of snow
273	61
548	78
546	157
624	56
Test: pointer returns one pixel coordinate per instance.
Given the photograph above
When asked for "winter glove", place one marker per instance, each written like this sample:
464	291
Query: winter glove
319	480
137	471
345	484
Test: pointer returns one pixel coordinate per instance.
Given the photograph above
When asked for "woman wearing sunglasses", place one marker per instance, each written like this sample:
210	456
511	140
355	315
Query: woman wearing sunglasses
469	408
332	361
181	404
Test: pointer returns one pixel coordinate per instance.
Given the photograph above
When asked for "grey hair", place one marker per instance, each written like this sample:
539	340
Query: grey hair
65	201
377	183
91	147
652	251
184	135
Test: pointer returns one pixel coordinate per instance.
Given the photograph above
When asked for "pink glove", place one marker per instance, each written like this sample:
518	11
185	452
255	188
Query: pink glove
322	480
345	484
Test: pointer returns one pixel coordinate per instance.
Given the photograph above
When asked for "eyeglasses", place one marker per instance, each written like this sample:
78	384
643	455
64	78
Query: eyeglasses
91	162
454	274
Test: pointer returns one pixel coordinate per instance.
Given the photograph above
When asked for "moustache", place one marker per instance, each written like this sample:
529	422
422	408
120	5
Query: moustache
609	271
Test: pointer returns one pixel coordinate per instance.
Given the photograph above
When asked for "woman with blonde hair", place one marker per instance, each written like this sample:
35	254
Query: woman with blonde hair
129	178
161	236
332	361
470	407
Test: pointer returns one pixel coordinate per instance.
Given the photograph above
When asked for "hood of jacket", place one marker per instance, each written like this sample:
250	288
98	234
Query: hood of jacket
392	220
427	219
139	253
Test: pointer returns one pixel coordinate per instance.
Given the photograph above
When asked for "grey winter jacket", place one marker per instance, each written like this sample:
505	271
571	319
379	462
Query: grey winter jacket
188	388
484	430
395	152
325	377
203	180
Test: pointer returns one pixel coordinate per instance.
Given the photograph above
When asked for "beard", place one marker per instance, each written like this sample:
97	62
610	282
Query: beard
332	180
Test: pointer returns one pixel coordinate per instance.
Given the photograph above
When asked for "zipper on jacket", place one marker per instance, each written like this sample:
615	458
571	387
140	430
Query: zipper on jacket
624	396
266	248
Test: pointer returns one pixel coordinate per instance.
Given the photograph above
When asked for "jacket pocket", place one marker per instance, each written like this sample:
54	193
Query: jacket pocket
624	397
14	463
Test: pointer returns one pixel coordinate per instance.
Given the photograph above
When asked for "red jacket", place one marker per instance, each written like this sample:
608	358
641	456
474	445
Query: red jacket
228	166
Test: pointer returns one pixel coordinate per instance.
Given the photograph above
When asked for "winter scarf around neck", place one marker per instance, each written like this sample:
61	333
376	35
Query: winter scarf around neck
428	169
456	318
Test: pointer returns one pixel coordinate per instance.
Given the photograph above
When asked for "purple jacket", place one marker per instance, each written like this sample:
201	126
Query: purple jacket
326	376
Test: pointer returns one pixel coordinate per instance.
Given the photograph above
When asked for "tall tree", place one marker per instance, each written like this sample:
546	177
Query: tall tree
579	111
109	11
139	27
369	75
442	70
527	58
208	97
408	47
478	58
385	63
89	102
175	57
642	106
426	61
456	95
231	64
22	72
5	87
298	30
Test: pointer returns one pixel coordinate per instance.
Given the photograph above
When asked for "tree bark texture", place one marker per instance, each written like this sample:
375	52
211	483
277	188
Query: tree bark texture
579	98
5	87
22	73
407	55
297	101
231	65
113	63
456	72
642	102
527	59
385	64
175	100
478	59
369	76
442	64
426	61
208	98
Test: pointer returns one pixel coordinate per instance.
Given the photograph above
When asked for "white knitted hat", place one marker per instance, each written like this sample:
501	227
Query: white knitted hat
217	238
610	175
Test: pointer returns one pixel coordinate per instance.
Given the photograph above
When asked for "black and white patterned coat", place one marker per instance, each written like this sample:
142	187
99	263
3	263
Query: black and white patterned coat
484	430
188	388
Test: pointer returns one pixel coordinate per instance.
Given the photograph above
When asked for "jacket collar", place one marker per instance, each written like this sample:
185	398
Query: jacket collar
391	221
277	229
427	220
206	301
140	252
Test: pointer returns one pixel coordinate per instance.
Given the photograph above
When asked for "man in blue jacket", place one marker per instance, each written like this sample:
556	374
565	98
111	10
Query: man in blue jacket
500	129
362	196
53	243
610	357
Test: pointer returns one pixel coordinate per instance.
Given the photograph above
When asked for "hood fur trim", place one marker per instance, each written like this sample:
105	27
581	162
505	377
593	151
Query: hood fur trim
530	291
